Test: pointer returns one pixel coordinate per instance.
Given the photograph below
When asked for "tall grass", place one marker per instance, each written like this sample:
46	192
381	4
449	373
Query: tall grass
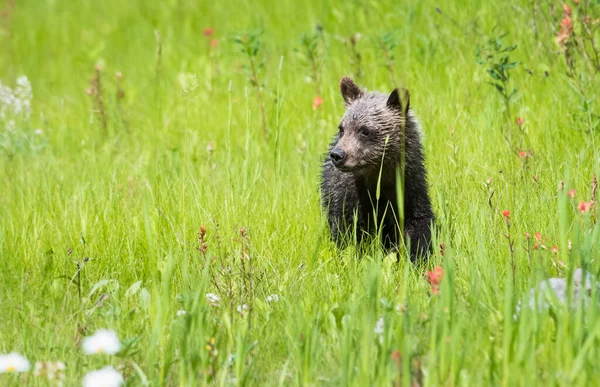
180	143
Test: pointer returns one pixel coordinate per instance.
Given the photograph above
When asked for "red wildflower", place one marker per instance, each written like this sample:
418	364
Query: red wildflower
434	278
519	121
554	249
208	31
396	357
566	9
538	237
576	2
527	235
506	214
523	154
214	43
585	206
566	29
572	193
317	102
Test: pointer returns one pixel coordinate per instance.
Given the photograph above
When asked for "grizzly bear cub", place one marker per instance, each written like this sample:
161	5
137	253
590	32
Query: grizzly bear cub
360	172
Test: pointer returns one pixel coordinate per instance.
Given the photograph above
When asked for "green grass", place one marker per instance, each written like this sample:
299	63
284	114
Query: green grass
132	196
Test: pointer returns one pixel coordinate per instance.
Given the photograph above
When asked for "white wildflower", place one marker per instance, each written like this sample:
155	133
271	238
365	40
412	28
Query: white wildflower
105	377
379	327
13	362
181	313
213	299
50	370
17	102
242	309
230	360
273	298
104	341
38	132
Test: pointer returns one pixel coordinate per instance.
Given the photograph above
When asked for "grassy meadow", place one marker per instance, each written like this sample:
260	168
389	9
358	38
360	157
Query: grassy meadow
162	181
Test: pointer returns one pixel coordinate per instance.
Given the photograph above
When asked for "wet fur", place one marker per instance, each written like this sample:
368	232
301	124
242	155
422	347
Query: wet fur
344	194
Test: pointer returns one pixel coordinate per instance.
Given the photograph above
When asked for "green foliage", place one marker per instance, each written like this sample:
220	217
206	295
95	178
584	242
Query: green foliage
153	204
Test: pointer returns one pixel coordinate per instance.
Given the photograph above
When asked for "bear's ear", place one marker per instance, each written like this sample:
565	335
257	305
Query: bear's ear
399	100
349	90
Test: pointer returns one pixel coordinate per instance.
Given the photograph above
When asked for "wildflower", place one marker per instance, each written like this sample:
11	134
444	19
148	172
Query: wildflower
506	214
519	121
401	308
273	298
566	9
214	43
208	31
242	309
104	341
527	235
317	102
38	132
576	2
572	193
13	362
379	327
434	278
554	249
209	147
230	360
585	207
118	75
181	313
523	154
538	242
15	103
105	377
213	299
566	29
396	357
50	370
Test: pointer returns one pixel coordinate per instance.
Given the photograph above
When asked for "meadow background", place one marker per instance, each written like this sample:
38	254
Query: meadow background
144	181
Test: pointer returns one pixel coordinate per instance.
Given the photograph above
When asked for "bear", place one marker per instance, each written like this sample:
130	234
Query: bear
363	163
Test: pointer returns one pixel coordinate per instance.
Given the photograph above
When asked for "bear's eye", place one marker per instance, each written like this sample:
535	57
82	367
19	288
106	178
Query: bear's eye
364	132
341	128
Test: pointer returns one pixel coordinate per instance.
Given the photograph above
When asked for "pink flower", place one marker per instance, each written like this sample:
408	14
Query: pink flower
554	249
317	102
208	31
585	206
524	154
506	214
214	43
434	278
572	193
519	121
566	9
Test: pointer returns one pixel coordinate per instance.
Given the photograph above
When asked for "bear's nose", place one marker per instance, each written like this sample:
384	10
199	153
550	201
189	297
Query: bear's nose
337	156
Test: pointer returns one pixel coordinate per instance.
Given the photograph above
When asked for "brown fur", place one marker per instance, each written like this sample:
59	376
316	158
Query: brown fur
372	134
